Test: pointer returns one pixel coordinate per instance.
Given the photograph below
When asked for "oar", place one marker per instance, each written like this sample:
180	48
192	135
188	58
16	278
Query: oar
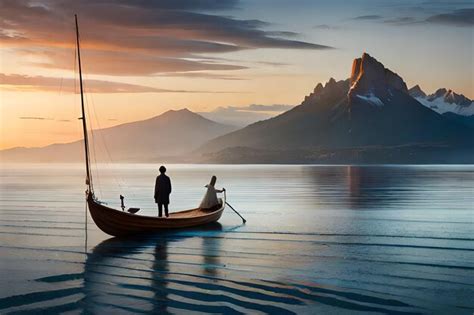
225	198
236	212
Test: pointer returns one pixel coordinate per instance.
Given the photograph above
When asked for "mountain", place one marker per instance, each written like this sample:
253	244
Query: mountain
444	101
460	119
242	116
416	91
171	134
239	119
456	107
372	111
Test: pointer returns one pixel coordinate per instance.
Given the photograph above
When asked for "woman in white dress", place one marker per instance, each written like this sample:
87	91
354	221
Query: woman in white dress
210	199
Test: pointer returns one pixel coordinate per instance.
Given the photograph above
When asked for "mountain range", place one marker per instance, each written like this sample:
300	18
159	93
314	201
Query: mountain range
368	118
448	103
168	136
371	117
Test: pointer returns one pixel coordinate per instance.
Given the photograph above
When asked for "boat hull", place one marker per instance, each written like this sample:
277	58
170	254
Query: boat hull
120	223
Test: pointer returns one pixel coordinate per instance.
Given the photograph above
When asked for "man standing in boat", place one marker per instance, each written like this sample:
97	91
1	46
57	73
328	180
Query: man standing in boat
162	191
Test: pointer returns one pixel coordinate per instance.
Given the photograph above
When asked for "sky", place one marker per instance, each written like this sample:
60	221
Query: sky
144	57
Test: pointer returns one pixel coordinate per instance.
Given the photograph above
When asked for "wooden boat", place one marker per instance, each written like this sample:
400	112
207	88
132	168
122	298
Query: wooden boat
120	223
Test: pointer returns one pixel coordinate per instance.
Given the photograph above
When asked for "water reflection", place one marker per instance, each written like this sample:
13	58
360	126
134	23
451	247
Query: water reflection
119	273
370	187
319	239
211	248
365	187
159	272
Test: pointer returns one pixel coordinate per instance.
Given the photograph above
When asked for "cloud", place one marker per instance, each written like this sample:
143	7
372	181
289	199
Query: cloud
244	115
283	33
446	3
271	63
124	63
35	118
264	108
404	20
201	75
460	18
367	17
186	4
20	82
118	35
43	118
326	27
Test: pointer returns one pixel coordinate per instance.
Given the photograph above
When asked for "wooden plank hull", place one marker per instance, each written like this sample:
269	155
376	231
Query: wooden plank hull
120	223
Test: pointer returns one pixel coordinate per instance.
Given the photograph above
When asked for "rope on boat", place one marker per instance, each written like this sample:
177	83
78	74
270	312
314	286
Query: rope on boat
117	179
93	151
108	161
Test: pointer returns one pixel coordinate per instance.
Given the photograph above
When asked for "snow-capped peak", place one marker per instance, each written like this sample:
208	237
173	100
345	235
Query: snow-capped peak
416	91
444	101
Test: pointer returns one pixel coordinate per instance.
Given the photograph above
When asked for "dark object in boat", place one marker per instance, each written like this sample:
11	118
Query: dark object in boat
133	210
130	210
121	223
122	205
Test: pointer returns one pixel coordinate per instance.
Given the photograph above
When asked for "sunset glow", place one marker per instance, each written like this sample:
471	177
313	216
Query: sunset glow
142	59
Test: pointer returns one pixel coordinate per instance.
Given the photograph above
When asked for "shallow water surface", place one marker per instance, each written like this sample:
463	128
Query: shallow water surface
332	239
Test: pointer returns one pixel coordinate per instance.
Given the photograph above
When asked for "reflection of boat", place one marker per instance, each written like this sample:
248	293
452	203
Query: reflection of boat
120	223
120	274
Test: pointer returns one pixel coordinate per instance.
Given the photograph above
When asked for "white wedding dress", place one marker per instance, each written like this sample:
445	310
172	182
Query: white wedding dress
210	199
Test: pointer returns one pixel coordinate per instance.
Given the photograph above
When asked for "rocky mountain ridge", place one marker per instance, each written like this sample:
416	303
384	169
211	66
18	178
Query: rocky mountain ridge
373	108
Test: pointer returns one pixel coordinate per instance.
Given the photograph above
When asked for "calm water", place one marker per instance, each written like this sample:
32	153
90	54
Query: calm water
333	239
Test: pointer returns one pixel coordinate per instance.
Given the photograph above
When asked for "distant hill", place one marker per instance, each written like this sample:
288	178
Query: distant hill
168	136
242	116
372	111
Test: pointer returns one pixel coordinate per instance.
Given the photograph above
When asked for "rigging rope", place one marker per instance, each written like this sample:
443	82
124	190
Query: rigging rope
108	155
90	104
101	136
75	100
117	179
93	152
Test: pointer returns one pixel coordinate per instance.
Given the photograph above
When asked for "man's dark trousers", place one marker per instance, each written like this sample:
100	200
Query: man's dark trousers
160	209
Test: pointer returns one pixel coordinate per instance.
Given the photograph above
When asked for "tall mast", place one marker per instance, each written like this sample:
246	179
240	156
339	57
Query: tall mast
83	118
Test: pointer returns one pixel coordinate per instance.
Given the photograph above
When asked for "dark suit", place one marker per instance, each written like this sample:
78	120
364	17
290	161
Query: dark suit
162	192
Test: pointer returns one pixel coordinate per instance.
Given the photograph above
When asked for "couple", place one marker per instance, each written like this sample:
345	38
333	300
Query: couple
163	191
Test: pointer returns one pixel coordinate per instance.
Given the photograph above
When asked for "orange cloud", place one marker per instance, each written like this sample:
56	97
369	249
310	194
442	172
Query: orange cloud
138	37
18	82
